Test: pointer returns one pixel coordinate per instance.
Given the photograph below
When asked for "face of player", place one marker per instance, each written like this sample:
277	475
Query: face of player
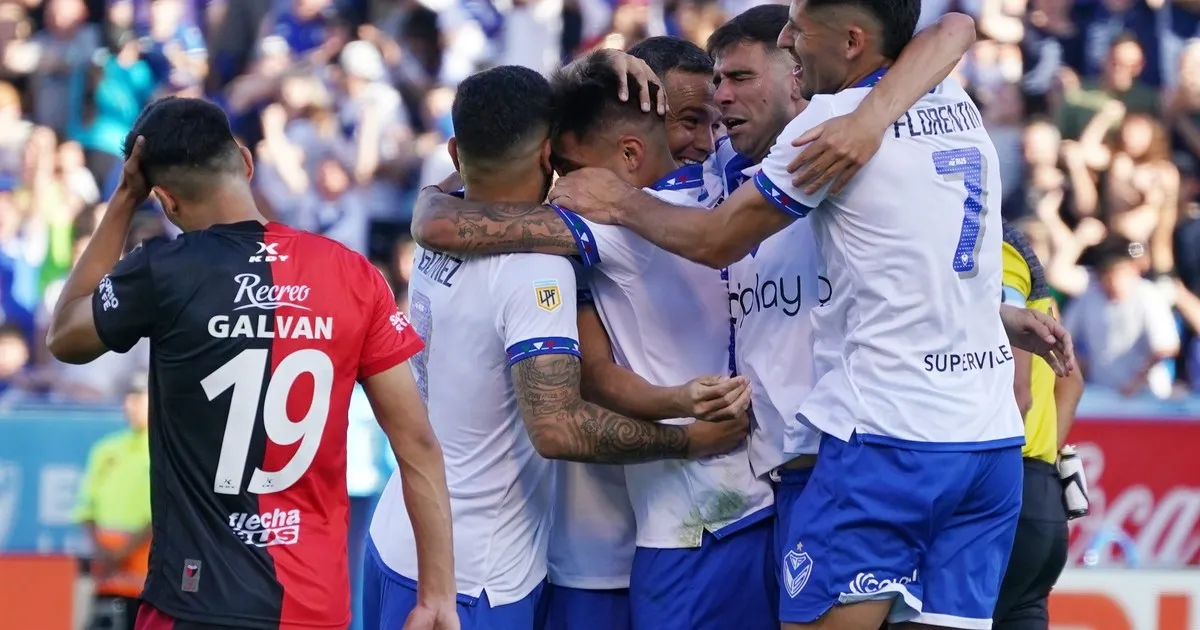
817	48
757	94
692	118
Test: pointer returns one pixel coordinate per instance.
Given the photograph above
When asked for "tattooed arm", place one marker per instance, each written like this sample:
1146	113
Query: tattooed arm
449	224
562	426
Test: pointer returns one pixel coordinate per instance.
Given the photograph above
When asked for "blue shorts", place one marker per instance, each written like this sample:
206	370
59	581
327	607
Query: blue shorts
565	608
930	530
787	491
727	582
389	597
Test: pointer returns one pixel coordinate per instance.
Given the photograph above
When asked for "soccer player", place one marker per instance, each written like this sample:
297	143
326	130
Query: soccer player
912	504
258	334
686	73
502	380
1048	404
700	525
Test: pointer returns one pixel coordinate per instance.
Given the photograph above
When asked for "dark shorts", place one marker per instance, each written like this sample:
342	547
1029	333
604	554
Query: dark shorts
151	618
1039	552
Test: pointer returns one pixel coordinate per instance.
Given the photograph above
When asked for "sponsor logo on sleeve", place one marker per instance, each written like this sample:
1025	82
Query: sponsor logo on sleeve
108	296
399	321
547	294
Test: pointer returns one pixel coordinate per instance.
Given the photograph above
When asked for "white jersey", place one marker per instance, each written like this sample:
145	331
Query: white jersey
478	317
910	350
772	292
668	322
592	532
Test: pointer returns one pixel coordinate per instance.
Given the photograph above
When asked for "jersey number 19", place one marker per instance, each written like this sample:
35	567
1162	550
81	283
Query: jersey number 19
245	374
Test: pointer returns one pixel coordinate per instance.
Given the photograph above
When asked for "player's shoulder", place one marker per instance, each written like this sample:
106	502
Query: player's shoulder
527	265
1014	238
689	197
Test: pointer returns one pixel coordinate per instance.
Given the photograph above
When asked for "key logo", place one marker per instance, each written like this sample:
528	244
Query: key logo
548	297
797	568
191	576
268	252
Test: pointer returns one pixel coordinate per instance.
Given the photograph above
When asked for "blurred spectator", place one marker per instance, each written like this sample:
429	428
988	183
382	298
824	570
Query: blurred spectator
14	356
1123	327
114	508
1118	82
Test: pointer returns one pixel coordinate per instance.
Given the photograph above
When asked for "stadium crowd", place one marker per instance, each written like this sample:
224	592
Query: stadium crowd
1094	106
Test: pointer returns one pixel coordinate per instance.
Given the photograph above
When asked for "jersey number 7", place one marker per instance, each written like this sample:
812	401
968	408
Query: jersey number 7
245	374
966	164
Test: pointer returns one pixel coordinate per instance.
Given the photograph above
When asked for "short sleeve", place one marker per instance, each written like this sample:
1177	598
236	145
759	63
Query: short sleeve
124	304
618	249
773	179
1017	280
538	306
390	339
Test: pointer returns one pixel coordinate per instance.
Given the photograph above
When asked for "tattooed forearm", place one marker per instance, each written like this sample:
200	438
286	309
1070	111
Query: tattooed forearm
457	226
562	426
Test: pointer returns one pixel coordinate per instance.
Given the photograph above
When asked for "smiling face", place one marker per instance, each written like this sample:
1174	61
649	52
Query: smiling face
693	116
756	90
817	47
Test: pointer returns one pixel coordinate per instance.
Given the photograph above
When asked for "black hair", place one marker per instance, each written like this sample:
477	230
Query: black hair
897	19
761	24
664	54
12	330
585	93
187	141
498	110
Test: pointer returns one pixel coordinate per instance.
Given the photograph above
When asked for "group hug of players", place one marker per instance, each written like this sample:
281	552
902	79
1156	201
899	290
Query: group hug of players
762	355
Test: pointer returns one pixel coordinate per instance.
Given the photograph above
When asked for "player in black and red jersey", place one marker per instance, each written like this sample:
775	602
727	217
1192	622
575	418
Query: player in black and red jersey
257	333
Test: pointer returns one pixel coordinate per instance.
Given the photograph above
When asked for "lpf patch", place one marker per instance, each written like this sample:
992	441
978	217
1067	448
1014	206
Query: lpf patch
548	297
191	576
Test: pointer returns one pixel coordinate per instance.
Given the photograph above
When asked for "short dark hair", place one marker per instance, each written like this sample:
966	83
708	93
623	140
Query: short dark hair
897	19
665	53
187	140
585	93
498	110
760	25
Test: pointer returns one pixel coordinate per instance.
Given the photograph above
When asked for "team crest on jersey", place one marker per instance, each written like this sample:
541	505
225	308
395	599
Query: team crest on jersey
797	567
548	297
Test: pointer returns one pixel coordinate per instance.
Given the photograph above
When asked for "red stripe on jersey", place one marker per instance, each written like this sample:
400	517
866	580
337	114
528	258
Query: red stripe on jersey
336	322
313	370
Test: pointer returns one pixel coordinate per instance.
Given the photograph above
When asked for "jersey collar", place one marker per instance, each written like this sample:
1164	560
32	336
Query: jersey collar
870	80
682	178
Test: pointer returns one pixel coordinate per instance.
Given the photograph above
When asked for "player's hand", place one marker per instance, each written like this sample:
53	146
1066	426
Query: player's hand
625	64
1036	332
132	190
837	149
433	616
716	398
595	193
706	439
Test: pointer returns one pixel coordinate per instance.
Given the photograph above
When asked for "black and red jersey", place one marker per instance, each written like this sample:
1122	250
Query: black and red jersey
258	334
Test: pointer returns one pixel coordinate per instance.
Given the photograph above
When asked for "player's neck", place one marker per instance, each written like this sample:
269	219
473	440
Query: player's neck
657	167
865	67
509	189
225	207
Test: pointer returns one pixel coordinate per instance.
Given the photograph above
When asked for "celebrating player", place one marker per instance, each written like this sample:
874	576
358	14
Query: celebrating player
501	374
258	334
919	470
1048	405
